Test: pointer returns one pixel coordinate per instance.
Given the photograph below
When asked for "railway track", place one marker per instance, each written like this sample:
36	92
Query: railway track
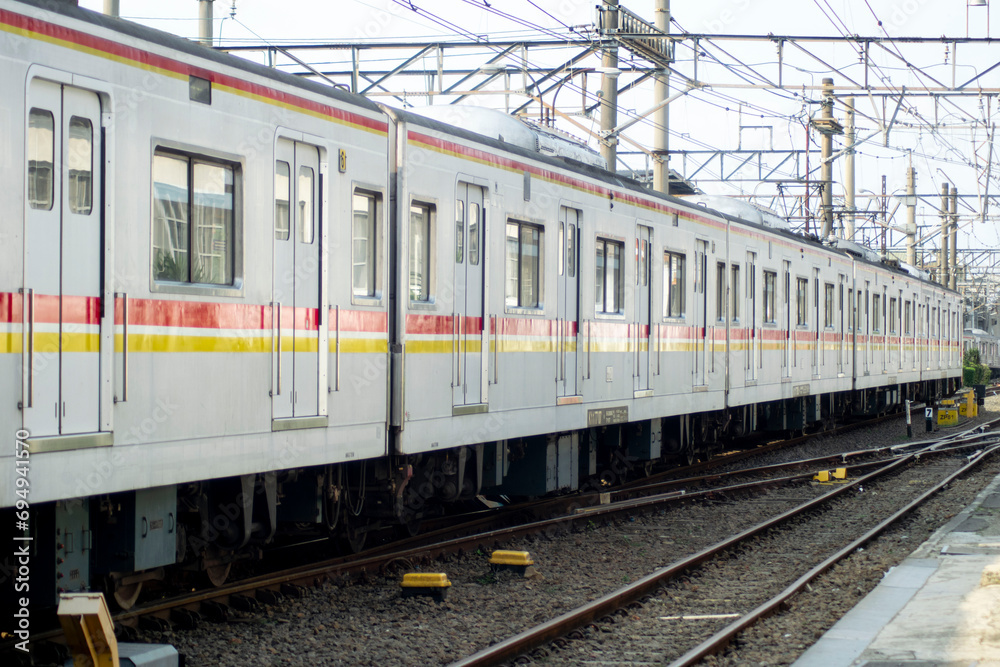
784	554
482	532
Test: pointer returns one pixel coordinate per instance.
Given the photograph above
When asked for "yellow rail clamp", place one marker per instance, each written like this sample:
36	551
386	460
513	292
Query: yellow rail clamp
822	476
840	473
518	561
434	584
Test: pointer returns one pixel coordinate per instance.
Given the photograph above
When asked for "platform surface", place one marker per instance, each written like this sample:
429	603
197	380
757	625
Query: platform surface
939	608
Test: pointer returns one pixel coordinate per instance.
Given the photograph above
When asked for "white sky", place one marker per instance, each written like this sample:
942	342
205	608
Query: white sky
708	119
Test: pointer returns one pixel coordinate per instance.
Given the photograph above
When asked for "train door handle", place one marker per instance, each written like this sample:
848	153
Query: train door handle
28	323
276	310
124	297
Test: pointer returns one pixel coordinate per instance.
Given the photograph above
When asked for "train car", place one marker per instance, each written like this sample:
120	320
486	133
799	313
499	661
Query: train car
988	346
191	293
237	304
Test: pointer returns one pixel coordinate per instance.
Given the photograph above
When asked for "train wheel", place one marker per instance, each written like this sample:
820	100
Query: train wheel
126	594
217	574
412	528
355	533
217	569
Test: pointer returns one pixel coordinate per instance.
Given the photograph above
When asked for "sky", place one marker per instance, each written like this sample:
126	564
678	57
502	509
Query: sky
939	140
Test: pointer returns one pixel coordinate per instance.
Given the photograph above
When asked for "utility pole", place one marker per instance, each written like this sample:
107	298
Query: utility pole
661	125
911	216
883	210
609	86
827	127
111	8
205	22
943	258
849	169
954	238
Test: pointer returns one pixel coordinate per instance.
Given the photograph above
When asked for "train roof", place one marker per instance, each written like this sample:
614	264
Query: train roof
70	9
616	180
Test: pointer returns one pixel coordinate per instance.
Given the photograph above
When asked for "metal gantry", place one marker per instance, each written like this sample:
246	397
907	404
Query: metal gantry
905	92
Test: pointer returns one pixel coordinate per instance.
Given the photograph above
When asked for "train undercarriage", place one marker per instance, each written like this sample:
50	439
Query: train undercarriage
126	541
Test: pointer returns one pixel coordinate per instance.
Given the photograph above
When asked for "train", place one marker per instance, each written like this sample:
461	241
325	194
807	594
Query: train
988	346
236	303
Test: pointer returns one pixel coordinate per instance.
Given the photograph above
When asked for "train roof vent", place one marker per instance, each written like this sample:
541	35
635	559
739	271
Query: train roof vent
855	249
513	130
914	271
738	208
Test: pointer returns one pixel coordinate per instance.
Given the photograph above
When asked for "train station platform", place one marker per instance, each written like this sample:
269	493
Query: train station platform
939	607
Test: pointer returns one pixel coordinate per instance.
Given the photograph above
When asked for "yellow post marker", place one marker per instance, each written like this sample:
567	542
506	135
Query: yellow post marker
89	630
434	584
515	561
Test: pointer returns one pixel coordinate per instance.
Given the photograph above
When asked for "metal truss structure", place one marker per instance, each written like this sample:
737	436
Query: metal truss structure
907	91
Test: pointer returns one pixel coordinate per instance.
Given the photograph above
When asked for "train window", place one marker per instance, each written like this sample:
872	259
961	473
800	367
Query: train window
892	315
876	312
673	284
734	308
801	301
281	198
610	285
420	252
193	219
524	265
475	217
770	289
828	305
907	317
642	263
571	250
364	245
720	291
41	147
307	224
80	161
459	231
562	246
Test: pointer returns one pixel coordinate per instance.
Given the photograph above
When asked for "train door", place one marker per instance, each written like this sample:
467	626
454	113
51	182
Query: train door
901	351
568	301
865	327
62	263
470	217
700	308
296	305
786	355
753	340
841	326
884	327
817	323
643	248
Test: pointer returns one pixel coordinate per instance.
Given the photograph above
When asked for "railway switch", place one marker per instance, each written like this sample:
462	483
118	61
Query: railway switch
837	476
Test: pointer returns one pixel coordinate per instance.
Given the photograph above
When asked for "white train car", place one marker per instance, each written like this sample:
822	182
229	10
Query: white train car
191	288
221	287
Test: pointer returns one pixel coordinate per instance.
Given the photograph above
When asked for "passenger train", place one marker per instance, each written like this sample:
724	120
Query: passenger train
988	346
233	301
